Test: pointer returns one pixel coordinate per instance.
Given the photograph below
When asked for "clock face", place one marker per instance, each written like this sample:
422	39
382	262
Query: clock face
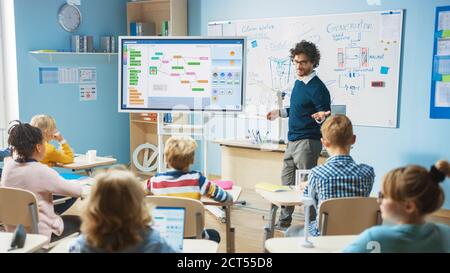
69	17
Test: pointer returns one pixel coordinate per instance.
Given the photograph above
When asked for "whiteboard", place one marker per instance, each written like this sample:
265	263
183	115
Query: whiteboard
360	60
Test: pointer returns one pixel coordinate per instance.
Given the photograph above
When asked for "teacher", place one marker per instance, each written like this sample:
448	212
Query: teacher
309	106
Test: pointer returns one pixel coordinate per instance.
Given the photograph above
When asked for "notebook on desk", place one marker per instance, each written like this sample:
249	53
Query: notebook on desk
272	187
169	222
224	184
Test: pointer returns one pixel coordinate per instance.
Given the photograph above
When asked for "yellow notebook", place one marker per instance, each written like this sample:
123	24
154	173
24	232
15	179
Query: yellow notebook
272	187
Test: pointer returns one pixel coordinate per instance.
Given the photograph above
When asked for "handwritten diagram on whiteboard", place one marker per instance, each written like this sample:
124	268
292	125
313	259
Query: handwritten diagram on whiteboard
360	60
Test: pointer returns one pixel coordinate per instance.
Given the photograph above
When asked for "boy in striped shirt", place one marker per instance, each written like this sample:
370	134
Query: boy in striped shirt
340	176
179	181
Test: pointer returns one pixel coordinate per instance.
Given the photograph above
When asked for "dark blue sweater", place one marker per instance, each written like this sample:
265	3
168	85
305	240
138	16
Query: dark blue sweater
305	101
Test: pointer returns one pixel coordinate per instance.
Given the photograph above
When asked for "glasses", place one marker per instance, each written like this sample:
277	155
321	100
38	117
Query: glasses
380	197
301	63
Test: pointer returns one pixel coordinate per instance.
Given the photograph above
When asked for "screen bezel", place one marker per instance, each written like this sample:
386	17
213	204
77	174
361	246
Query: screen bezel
121	109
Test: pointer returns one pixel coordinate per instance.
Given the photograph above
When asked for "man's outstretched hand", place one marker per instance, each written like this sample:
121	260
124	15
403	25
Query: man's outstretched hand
273	115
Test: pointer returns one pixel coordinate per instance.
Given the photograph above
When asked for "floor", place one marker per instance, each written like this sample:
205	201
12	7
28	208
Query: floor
248	221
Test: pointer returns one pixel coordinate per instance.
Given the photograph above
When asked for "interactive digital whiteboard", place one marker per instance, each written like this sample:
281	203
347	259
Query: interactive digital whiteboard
161	74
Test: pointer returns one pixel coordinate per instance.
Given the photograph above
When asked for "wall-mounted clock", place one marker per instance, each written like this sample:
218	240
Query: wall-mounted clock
69	17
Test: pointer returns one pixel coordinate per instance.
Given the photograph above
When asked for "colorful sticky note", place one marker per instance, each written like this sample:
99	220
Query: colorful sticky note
384	70
254	43
446	78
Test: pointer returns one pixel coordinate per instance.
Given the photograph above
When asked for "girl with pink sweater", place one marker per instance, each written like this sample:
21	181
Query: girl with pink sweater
24	171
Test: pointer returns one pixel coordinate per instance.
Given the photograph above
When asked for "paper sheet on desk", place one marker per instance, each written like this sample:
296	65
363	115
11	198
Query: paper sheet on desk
272	187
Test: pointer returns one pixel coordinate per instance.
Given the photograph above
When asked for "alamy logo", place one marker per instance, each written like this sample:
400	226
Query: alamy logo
149	159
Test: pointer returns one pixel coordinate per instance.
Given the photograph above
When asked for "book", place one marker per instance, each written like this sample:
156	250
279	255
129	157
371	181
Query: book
272	187
165	28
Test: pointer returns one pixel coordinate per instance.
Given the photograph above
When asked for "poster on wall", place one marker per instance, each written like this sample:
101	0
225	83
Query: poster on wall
87	75
440	82
67	75
88	92
48	75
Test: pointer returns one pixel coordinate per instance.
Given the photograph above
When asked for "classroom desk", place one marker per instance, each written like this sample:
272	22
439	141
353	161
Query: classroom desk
322	244
189	246
33	243
277	200
230	231
248	164
81	163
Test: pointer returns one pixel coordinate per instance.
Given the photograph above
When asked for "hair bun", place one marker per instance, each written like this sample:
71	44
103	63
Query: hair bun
436	175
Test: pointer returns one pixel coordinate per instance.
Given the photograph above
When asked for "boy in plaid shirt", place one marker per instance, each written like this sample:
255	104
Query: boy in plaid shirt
340	176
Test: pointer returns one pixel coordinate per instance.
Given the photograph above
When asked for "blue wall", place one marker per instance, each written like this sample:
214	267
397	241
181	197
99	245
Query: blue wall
86	125
418	139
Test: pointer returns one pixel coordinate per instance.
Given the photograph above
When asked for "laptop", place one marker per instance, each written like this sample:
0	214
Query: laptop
169	222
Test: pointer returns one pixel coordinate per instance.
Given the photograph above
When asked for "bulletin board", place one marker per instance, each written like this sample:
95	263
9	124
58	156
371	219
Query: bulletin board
440	83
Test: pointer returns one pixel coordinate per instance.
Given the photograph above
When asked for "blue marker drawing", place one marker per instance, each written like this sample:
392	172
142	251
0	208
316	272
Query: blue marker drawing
384	70
254	43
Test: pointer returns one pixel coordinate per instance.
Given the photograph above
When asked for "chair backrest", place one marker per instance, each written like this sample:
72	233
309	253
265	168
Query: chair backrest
18	206
348	216
195	212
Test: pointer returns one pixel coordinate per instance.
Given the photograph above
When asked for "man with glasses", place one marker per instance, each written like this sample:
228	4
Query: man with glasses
309	106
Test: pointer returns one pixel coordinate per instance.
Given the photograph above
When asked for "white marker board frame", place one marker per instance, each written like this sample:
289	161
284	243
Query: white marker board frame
373	105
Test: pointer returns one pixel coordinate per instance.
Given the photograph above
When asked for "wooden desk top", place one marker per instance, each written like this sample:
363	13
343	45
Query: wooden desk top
266	147
282	198
322	244
81	163
33	243
235	193
245	143
189	246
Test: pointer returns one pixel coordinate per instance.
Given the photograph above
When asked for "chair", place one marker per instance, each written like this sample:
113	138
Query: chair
195	212
348	216
18	206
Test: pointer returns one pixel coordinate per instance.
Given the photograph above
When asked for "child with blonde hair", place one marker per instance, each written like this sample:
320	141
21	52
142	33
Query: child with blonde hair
117	218
407	196
179	154
53	156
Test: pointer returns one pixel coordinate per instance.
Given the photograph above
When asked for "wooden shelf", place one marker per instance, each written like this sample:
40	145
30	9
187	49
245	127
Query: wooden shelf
155	11
144	121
